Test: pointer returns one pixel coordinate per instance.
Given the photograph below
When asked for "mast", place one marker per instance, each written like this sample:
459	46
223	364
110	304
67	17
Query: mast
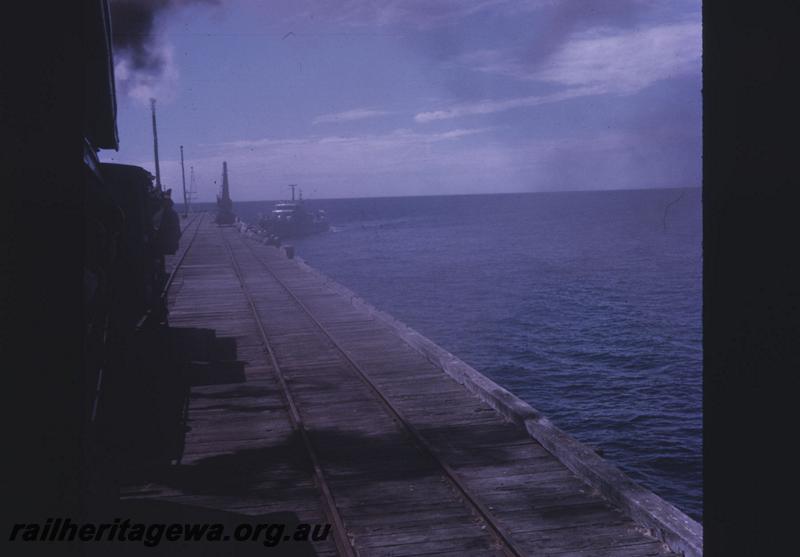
155	143
292	186
183	179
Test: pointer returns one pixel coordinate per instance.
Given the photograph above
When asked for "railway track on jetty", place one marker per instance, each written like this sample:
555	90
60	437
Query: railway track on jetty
337	417
482	518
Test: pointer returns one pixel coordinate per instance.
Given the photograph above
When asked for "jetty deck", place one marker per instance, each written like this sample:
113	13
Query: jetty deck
306	400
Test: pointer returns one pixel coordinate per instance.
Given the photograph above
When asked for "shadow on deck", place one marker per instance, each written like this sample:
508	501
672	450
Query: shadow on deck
142	408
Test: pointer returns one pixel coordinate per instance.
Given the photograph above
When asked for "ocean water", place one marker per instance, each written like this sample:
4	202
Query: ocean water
587	305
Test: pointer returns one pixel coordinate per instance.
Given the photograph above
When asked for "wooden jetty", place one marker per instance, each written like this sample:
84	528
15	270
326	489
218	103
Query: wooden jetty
327	408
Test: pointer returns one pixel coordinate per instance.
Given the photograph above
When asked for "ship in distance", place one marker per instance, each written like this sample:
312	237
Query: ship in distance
292	219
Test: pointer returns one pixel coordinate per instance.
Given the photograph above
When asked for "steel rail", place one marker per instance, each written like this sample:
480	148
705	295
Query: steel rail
508	546
199	219
342	540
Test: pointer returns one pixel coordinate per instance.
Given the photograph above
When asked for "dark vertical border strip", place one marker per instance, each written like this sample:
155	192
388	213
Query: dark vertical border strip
751	334
41	118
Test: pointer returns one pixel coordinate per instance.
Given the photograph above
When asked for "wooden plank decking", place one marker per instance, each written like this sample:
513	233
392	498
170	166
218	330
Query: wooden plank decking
244	454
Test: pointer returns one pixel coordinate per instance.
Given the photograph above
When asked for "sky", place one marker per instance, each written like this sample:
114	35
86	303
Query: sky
364	98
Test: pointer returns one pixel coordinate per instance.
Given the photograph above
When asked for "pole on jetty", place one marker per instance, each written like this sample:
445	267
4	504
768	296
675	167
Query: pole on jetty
225	193
190	194
155	143
183	179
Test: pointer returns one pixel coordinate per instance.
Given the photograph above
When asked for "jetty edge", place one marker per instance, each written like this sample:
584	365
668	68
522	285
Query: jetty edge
678	531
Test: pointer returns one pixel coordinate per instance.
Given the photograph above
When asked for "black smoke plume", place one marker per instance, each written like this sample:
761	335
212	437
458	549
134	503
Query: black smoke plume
134	30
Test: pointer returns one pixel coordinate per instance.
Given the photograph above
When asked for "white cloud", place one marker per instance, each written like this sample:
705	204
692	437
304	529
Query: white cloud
616	61
594	63
488	106
349	116
420	14
625	62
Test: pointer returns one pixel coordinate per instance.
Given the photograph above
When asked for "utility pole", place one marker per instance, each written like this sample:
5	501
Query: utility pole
183	179
190	193
155	144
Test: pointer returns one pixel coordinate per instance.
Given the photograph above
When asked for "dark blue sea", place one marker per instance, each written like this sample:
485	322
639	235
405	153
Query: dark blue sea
587	305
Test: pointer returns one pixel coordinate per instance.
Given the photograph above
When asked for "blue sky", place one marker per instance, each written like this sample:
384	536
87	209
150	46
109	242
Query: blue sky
383	98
